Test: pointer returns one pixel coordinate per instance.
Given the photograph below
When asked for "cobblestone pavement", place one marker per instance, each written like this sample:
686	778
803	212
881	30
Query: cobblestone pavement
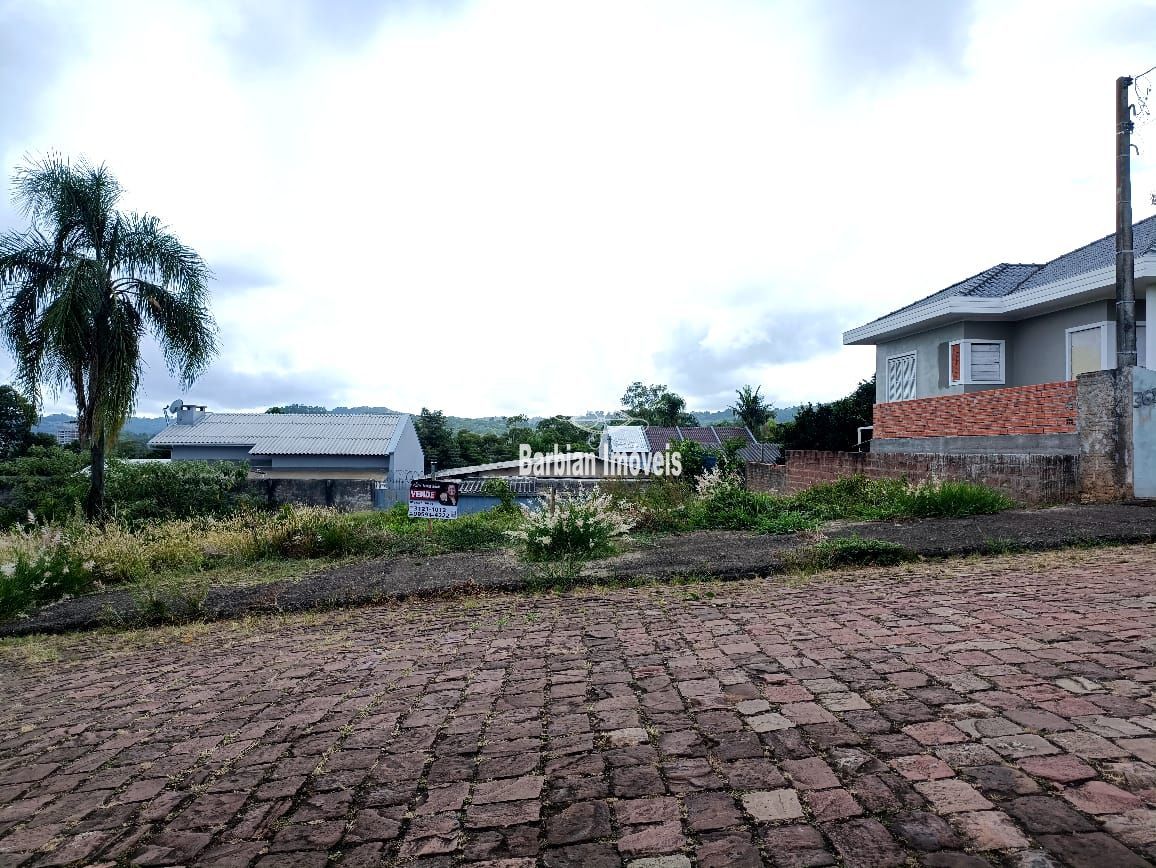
996	711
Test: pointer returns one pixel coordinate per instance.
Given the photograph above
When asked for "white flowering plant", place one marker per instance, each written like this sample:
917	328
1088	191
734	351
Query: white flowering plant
38	563
576	527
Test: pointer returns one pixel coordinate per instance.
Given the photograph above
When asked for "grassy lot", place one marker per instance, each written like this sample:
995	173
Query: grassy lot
169	564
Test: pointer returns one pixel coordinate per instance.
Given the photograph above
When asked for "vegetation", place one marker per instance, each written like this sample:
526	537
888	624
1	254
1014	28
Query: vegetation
81	288
656	405
829	427
462	448
850	551
752	409
720	502
41	563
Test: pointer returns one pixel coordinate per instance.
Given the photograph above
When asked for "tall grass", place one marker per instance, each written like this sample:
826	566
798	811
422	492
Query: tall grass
42	563
724	504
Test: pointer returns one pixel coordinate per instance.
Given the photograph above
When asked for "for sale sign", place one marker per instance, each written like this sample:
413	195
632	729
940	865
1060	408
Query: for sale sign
431	498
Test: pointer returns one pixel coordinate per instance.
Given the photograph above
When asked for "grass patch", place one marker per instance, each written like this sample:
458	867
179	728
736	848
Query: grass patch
671	505
851	551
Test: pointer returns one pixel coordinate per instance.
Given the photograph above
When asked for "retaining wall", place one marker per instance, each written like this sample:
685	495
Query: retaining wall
1047	408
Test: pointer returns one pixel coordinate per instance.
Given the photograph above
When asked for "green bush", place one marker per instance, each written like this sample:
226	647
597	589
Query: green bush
173	490
574	528
38	564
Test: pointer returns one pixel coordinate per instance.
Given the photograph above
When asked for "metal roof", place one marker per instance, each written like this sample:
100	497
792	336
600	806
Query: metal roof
289	433
706	435
627	438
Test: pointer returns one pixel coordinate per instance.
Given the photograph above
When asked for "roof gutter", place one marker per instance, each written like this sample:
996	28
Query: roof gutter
957	307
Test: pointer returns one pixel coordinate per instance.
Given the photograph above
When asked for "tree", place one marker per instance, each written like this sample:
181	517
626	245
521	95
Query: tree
830	427
752	409
17	416
81	288
656	405
437	441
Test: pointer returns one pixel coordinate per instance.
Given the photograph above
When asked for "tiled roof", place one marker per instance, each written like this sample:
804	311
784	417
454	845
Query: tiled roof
288	433
1006	279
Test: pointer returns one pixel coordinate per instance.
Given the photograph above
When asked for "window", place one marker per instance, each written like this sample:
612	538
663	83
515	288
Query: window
901	377
975	362
1091	348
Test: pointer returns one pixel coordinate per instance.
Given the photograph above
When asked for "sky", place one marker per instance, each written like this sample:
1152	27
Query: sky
500	206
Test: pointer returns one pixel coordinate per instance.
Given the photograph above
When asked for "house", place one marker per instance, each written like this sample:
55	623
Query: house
998	354
1012	325
382	448
622	441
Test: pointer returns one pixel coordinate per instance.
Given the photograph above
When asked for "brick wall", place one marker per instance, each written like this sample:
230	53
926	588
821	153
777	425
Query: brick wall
1048	408
1029	479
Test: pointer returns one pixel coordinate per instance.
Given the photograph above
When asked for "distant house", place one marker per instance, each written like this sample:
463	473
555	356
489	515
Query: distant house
1012	325
66	432
380	447
622	441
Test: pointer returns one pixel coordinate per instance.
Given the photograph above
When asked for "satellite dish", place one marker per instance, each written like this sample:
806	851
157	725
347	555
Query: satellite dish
175	406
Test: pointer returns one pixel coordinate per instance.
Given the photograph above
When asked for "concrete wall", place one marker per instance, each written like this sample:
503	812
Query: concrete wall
1028	479
1104	399
770	478
210	453
344	494
379	463
408	458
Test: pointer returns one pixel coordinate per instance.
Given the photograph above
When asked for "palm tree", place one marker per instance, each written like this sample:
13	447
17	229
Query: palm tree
752	408
83	285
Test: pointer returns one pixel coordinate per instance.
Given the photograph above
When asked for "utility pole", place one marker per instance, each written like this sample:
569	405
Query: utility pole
1125	260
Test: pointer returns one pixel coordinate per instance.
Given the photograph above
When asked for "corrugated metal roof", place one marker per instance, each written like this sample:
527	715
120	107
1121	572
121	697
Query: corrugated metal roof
706	435
627	438
288	433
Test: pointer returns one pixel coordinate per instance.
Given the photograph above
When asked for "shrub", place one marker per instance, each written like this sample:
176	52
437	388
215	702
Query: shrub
37	564
174	490
578	527
952	499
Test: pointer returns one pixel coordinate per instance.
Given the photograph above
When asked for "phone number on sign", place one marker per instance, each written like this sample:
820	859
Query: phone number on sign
431	510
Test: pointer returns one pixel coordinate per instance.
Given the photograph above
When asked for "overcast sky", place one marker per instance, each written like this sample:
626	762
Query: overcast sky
497	207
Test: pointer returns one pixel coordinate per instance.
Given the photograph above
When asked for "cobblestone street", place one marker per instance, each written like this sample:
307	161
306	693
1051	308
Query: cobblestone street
978	712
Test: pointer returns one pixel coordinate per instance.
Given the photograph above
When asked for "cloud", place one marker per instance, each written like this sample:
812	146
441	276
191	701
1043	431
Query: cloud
231	278
708	369
886	37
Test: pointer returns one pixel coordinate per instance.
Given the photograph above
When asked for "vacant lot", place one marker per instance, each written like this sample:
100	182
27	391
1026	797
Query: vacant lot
1000	708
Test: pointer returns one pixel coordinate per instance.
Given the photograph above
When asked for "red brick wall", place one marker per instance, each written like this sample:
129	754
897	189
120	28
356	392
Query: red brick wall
1049	408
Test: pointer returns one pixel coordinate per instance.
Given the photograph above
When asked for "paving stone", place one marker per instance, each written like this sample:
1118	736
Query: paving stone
1092	850
989	830
810	774
1000	780
664	838
585	821
773	806
866	843
950	796
798	846
921	830
830	805
710	811
1098	797
1021	745
922	767
583	856
1063	769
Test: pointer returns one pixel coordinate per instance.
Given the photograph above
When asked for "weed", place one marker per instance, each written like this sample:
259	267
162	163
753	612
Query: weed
847	552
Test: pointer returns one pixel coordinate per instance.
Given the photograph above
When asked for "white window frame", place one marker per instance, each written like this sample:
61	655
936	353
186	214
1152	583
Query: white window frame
887	370
1142	324
965	379
1107	345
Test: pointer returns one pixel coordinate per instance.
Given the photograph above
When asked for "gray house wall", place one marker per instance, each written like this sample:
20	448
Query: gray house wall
1036	349
331	462
211	453
408	457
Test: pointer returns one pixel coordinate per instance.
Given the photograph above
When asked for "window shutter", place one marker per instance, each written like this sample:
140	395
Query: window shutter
901	377
986	364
